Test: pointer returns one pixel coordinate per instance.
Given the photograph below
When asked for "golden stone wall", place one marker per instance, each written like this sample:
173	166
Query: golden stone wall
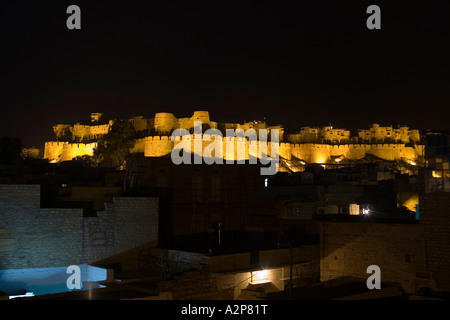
158	146
85	132
61	130
321	153
56	151
53	150
312	145
167	122
73	150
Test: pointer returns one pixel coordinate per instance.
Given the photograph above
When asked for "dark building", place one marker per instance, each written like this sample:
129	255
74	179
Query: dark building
434	207
203	206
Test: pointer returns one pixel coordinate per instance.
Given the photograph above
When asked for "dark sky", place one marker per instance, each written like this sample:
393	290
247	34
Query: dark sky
302	63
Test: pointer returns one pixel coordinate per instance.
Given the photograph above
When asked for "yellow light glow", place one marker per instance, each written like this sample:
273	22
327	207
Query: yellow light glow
436	174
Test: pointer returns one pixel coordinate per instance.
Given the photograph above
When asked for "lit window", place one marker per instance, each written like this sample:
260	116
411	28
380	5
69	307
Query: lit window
436	174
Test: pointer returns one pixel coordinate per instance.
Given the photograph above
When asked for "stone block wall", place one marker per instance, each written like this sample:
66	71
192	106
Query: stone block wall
347	249
53	150
35	237
308	145
126	223
158	146
73	150
434	211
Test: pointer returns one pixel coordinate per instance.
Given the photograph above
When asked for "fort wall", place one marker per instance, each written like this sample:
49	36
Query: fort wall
312	145
53	150
321	153
158	146
85	132
61	130
139	146
99	129
80	132
73	150
165	122
64	151
223	149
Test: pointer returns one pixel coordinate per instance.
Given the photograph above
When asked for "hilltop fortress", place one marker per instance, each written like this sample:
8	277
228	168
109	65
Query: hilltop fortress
320	145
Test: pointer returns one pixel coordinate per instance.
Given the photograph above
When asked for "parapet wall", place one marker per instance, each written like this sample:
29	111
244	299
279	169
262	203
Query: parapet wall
53	150
158	146
126	223
308	145
86	132
64	151
321	153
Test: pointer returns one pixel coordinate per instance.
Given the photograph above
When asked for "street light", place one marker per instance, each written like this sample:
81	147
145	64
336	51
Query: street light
259	276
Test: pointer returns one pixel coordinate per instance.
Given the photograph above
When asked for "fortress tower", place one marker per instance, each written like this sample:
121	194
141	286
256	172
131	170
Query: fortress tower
165	122
202	116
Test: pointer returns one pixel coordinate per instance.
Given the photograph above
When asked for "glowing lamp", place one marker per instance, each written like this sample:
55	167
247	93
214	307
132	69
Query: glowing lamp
260	276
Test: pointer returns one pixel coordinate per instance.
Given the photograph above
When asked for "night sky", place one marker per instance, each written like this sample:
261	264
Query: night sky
298	63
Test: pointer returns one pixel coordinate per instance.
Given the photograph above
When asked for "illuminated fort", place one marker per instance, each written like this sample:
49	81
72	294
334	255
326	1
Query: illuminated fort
319	145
